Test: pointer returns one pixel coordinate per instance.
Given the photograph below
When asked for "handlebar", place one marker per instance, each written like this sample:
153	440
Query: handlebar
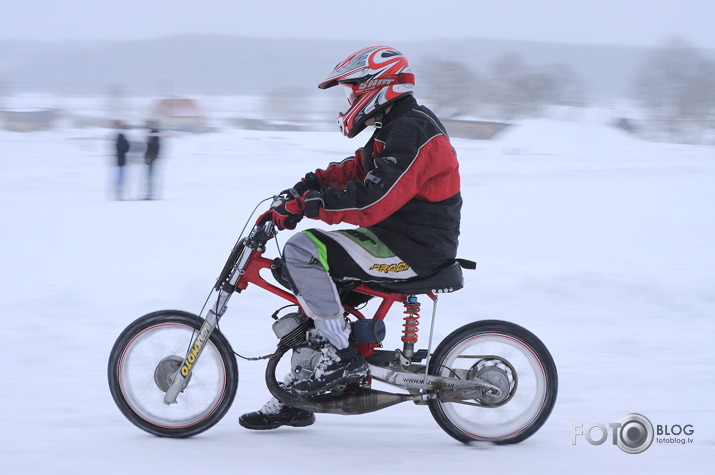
257	238
264	233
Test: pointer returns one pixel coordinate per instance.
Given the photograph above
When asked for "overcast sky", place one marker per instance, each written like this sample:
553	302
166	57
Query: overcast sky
627	22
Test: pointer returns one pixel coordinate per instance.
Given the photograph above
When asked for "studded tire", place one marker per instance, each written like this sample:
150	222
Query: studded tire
529	364
142	360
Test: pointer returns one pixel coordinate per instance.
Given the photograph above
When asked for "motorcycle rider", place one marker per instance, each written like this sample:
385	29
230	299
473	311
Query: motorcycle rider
403	191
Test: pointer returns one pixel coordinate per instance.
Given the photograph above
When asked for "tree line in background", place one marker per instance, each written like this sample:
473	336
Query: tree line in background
510	89
675	88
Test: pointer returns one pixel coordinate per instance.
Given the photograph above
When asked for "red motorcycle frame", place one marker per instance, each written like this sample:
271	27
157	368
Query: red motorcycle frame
174	374
257	263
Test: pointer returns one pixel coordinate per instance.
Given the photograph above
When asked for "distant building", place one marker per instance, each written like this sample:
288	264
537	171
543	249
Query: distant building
179	114
30	120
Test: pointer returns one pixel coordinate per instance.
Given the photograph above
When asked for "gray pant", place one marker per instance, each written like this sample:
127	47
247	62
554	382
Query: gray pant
311	257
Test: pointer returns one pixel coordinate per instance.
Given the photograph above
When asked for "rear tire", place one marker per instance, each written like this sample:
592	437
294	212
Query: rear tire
534	382
149	350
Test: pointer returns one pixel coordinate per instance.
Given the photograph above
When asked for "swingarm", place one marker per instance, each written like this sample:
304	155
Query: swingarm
447	389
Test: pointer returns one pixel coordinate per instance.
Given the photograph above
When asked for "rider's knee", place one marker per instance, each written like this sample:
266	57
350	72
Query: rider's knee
301	251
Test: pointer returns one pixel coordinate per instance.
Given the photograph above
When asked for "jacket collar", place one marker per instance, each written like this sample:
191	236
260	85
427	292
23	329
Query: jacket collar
400	107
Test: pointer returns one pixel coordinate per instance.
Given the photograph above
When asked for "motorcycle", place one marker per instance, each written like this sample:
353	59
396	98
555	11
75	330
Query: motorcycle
174	374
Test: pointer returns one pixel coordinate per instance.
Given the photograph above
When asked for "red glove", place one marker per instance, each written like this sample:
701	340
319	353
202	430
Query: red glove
282	218
307	205
289	213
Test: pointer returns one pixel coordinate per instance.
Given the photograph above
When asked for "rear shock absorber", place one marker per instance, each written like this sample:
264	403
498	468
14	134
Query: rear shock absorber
412	321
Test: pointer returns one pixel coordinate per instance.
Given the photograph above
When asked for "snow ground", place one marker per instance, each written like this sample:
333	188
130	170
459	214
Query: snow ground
601	244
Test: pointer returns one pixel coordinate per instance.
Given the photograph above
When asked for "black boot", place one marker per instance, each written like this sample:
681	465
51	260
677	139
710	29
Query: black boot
274	414
335	367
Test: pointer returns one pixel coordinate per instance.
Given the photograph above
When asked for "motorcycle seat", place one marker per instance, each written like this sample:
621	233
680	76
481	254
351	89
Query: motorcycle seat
447	279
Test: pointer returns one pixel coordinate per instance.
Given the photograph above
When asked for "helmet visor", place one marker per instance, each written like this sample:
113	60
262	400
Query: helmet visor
348	88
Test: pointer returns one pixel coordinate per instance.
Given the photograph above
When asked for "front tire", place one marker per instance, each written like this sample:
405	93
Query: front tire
503	352
152	348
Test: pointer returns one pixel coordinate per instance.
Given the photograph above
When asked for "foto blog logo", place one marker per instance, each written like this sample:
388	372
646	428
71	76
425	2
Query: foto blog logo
633	433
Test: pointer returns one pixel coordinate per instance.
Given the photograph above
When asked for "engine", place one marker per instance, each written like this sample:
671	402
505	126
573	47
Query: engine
296	332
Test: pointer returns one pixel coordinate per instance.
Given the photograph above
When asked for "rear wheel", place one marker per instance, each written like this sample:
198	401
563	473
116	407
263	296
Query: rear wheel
145	357
508	357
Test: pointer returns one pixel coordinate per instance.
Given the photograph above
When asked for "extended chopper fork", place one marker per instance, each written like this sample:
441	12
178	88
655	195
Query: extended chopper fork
180	379
234	269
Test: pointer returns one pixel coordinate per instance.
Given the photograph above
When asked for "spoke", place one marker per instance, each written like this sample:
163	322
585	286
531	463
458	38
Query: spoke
496	357
147	355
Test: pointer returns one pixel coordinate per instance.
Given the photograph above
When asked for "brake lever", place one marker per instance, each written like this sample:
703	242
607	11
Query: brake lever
290	194
277	201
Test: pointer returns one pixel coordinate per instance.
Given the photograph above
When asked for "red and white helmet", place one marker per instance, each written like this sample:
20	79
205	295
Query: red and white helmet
374	77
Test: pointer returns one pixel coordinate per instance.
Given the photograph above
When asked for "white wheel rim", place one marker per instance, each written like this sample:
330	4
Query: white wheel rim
136	377
518	413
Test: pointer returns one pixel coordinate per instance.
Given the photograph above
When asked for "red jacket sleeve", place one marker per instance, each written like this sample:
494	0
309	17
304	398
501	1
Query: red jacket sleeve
338	175
404	170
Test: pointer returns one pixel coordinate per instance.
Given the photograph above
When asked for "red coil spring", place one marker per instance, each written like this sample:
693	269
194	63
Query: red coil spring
412	320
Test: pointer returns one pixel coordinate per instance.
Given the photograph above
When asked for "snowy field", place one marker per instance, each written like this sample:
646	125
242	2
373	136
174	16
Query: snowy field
602	245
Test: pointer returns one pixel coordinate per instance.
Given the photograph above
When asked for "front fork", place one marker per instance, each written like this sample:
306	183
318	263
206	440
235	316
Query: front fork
181	377
226	286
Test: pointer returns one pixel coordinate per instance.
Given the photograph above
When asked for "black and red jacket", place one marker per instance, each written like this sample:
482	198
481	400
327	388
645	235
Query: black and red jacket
403	185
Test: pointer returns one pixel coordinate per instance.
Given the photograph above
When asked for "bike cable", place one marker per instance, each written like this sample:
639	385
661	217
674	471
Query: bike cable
211	292
240	236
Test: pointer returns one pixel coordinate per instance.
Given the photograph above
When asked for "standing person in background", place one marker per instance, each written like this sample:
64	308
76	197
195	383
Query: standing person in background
150	156
122	147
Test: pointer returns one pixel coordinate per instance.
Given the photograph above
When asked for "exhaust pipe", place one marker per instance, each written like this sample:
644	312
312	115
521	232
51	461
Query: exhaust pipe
361	402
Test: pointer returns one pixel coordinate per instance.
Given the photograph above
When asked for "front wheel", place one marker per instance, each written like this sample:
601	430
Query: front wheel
508	357
148	353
